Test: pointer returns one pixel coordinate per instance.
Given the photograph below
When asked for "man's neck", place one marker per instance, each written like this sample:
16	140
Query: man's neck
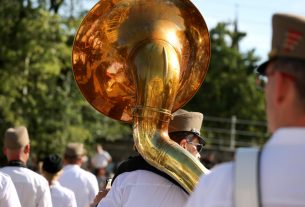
291	117
20	158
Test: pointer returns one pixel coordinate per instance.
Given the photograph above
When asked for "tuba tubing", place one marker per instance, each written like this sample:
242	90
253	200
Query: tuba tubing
157	74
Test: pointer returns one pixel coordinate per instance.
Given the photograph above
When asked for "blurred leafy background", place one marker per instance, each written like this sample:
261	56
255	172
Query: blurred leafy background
37	87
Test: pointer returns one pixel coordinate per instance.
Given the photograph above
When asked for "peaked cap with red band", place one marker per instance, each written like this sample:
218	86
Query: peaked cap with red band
288	38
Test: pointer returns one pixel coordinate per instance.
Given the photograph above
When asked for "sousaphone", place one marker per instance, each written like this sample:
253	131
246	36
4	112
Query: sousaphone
138	61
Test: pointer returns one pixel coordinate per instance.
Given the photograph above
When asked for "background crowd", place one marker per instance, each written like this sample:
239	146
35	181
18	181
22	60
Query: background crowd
74	179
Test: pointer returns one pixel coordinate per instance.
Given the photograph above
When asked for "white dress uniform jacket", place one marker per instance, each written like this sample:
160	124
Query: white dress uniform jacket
61	196
81	182
8	193
143	188
282	175
32	188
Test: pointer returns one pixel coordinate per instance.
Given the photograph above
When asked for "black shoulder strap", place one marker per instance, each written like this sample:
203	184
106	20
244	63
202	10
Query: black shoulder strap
138	163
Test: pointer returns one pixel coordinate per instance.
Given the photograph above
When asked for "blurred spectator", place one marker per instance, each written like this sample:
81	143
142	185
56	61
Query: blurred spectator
100	163
32	188
8	193
51	170
101	152
100	169
81	182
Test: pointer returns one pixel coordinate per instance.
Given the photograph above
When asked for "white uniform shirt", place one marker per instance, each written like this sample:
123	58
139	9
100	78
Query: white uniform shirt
81	182
143	188
32	188
8	193
282	175
61	196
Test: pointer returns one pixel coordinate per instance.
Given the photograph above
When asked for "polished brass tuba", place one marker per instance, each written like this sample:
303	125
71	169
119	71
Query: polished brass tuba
138	61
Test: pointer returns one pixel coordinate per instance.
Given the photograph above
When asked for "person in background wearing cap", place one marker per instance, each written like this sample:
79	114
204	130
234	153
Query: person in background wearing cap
137	183
100	152
32	188
8	193
100	163
278	176
83	183
51	170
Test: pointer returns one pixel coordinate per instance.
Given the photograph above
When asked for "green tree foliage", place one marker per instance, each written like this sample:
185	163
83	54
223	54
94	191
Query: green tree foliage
229	88
37	87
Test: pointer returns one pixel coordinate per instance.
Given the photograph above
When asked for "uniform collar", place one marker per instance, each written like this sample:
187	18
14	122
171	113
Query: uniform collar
288	136
16	163
69	166
55	183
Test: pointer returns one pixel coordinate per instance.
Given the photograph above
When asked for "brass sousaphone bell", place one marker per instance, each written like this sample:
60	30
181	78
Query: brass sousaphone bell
138	61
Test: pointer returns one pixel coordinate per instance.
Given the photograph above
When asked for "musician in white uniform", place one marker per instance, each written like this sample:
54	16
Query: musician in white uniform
8	193
139	184
51	170
83	183
281	168
32	188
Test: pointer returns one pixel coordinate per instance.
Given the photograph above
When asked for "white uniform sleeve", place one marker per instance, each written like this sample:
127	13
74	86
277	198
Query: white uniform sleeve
44	197
8	193
92	187
108	156
72	201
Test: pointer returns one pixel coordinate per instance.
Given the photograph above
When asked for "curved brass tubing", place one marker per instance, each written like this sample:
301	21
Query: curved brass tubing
157	73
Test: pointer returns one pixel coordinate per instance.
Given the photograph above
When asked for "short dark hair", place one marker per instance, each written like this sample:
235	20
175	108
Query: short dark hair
295	67
52	164
72	159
